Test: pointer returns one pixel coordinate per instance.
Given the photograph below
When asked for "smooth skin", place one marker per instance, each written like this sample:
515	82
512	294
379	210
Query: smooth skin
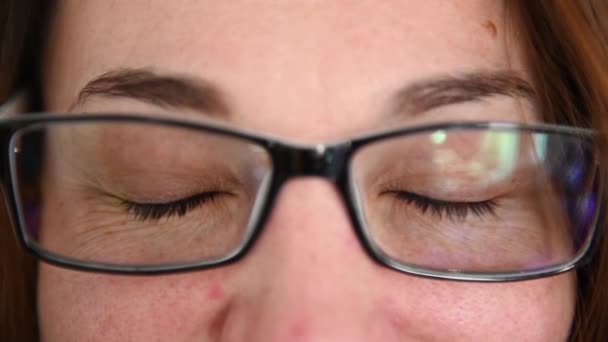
306	71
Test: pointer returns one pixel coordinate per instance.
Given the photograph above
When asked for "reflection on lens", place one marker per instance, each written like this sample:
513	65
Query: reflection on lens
477	200
137	193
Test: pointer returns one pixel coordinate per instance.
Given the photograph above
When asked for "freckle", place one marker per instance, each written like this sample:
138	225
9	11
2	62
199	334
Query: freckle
491	28
215	292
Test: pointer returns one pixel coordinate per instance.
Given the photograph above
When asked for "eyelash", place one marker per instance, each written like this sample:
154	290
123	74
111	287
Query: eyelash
452	210
157	211
179	208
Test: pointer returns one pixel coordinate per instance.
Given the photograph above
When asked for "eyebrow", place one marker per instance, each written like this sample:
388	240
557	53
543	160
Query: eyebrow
166	91
426	95
179	91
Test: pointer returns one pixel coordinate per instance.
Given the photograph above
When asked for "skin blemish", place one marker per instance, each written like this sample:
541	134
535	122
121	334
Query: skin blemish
298	331
392	312
216	292
491	28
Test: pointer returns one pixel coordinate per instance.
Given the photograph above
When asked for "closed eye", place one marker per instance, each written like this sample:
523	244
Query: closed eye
179	208
452	210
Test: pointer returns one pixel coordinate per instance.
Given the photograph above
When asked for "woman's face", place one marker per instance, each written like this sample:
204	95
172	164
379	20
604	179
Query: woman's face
306	71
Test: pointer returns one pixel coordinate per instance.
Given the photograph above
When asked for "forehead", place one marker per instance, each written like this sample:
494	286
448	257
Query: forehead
284	52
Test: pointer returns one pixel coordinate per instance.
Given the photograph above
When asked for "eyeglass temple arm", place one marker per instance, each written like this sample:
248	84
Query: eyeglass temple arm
16	103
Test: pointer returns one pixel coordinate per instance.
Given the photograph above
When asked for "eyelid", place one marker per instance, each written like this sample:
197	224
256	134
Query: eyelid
170	187
469	193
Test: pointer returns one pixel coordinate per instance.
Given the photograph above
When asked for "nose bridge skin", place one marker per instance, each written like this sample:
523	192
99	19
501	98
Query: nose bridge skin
307	278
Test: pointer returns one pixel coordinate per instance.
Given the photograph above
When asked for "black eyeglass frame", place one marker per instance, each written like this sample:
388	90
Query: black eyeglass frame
330	161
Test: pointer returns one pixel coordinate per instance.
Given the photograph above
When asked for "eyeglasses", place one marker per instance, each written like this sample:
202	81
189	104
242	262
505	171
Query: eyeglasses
475	201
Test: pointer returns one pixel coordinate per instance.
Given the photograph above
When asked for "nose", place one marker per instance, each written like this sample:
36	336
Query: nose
308	277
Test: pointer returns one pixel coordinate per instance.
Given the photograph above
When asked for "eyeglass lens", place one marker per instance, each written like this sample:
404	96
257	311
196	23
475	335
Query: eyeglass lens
477	200
137	194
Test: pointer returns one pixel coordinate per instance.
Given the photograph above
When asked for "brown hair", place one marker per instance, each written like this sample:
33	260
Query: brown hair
566	43
19	22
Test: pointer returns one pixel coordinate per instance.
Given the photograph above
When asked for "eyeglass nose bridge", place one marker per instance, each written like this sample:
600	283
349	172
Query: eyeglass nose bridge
318	160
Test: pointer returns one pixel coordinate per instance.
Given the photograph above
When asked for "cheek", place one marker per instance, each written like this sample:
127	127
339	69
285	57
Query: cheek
78	306
535	310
